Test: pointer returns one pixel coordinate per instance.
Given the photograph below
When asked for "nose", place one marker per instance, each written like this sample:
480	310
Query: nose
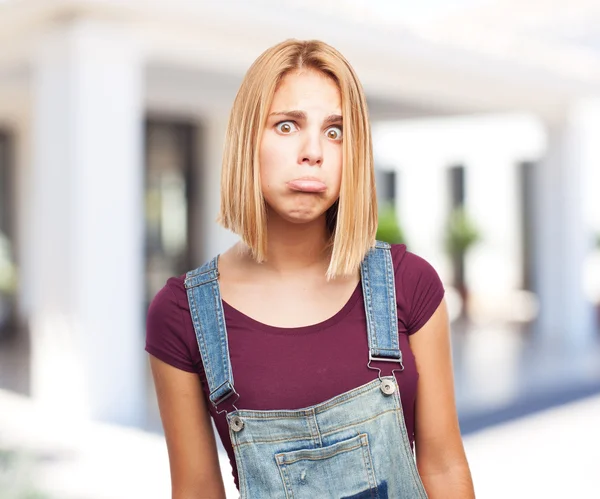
311	153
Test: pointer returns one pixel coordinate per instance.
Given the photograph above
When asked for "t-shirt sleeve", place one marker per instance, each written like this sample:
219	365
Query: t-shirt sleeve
419	289
165	331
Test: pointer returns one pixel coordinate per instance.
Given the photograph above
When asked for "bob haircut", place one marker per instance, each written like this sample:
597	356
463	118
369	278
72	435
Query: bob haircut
352	220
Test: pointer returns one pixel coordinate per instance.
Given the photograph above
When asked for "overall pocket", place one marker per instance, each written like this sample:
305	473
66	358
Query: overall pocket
343	469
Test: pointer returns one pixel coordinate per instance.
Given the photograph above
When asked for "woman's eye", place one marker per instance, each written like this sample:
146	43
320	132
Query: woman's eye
334	133
286	127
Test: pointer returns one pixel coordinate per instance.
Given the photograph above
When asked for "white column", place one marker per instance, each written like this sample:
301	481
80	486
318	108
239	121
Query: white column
87	223
215	239
422	201
491	201
562	239
591	173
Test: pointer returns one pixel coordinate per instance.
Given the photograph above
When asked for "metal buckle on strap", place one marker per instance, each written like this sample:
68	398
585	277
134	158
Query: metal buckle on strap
224	398
385	359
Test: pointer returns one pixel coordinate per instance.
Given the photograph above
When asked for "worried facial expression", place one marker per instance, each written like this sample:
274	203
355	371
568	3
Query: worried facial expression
301	147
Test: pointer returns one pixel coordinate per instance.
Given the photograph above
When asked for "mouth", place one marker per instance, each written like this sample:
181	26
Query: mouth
307	184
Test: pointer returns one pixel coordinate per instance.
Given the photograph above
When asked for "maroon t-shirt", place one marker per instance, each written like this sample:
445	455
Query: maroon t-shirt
291	368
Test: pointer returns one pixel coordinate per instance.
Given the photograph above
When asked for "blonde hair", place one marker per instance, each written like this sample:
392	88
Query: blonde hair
352	220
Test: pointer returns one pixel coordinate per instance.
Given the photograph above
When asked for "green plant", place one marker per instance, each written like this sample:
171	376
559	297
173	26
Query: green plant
388	228
461	233
17	476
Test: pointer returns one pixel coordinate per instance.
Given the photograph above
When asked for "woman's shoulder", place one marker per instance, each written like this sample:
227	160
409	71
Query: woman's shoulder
170	294
168	334
419	288
409	262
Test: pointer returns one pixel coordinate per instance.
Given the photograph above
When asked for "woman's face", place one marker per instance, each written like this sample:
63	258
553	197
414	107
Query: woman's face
301	148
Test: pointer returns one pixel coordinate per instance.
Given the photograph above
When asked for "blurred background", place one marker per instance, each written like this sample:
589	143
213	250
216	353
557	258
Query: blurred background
485	118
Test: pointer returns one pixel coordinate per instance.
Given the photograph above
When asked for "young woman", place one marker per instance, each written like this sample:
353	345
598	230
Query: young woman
339	344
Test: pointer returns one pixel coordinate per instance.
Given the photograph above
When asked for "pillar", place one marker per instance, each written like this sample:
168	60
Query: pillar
87	223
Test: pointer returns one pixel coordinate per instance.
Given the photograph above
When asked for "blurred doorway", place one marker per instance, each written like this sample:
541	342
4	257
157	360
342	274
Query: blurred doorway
456	179
7	235
169	199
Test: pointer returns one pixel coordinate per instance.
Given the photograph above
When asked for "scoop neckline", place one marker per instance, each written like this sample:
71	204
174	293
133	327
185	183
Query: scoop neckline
311	328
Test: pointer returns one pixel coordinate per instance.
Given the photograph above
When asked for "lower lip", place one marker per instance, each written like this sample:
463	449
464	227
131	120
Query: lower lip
307	186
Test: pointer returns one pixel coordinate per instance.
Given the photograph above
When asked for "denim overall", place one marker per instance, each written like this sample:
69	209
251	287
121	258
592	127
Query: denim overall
352	446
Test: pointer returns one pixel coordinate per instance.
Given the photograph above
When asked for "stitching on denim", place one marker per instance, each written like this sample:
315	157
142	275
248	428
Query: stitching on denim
366	469
308	422
197	277
201	338
368	464
358	423
325	455
366	296
222	331
319	408
391	292
194	282
347	399
264	416
274	441
384	288
221	326
372	323
314	418
411	462
308	437
371	386
375	491
284	479
240	467
324	434
201	332
311	422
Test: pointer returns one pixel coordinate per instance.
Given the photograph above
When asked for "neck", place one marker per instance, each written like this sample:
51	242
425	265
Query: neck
296	247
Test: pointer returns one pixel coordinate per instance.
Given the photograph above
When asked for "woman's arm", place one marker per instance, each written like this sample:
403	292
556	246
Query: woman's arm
441	458
193	457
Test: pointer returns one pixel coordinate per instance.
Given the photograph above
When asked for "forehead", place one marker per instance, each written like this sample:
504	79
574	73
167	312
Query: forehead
305	89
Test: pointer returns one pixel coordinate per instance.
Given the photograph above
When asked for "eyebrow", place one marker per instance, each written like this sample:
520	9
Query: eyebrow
301	116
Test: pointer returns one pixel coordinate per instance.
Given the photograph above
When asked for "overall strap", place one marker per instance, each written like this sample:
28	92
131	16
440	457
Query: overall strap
206	309
377	276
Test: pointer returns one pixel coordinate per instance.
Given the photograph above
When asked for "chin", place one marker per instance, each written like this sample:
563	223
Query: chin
300	216
303	218
301	213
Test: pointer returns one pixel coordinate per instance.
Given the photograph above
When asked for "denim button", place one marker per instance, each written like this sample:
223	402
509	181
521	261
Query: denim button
236	423
388	386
